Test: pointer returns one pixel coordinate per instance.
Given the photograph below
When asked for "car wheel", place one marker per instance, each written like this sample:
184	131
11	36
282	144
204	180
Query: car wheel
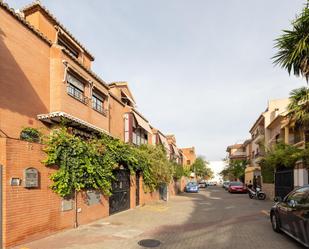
275	222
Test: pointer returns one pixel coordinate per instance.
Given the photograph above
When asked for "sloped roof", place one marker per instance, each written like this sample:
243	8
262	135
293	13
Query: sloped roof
54	115
234	146
126	85
37	4
27	24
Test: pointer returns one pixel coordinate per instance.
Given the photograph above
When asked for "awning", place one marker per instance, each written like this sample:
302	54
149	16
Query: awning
175	150
55	117
142	123
164	142
128	97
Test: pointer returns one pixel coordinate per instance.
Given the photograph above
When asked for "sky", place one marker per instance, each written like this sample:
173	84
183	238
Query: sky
199	69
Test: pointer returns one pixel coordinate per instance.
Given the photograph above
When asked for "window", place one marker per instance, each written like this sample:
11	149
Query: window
98	102
75	88
299	197
188	162
64	42
139	136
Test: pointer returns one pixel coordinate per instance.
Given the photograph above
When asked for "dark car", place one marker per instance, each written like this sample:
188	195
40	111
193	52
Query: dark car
192	187
291	215
237	187
202	184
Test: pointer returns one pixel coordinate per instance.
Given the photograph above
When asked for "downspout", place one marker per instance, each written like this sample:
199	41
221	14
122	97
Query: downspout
109	114
66	66
76	211
91	89
57	33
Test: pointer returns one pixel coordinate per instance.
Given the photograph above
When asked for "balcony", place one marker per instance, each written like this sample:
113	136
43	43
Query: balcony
238	155
258	155
259	135
99	108
77	94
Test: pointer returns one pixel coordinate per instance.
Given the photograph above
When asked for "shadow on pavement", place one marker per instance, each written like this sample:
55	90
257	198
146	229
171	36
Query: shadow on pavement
221	220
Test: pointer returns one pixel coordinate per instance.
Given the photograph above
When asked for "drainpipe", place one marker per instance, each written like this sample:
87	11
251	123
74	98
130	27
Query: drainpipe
57	33
76	211
109	114
91	89
66	66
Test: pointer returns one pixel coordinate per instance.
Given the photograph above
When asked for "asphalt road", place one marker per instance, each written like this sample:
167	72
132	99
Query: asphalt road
210	219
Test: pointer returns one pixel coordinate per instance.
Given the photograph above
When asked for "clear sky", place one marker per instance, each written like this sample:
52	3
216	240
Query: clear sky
200	69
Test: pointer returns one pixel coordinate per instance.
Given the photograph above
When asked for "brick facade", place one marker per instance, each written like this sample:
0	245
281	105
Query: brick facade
35	213
33	72
269	189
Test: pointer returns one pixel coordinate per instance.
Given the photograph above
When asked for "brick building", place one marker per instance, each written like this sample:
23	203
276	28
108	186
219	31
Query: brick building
190	155
46	77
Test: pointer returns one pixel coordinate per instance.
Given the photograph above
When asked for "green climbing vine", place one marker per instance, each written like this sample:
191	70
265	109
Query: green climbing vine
89	164
281	155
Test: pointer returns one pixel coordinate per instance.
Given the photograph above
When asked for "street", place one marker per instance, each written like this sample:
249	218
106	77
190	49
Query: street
212	218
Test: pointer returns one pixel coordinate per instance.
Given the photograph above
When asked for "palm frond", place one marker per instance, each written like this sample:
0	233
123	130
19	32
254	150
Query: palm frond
293	47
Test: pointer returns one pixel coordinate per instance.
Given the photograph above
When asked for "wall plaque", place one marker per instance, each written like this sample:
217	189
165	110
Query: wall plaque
31	178
93	197
66	204
14	181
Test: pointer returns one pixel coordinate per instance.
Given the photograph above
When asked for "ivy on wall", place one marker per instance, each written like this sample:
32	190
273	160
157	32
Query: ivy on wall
281	155
88	164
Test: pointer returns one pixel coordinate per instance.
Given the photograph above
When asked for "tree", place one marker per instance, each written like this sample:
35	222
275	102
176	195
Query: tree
201	169
279	156
298	109
293	46
235	170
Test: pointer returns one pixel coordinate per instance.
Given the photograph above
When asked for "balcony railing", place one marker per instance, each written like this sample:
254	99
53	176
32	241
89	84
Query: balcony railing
259	134
239	153
259	154
76	93
100	109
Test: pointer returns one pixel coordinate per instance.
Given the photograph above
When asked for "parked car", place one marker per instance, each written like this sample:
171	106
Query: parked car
211	183
237	187
291	215
192	187
226	185
202	184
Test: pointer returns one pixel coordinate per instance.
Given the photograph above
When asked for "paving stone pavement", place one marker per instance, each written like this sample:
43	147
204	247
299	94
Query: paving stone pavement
211	219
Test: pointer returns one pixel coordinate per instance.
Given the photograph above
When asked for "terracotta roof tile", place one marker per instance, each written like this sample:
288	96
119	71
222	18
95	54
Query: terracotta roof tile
50	15
93	74
18	17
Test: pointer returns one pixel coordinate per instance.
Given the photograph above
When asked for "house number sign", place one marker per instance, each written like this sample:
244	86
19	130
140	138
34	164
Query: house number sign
31	178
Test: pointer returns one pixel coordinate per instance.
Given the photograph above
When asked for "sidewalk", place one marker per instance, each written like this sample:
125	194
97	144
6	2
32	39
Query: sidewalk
211	219
122	230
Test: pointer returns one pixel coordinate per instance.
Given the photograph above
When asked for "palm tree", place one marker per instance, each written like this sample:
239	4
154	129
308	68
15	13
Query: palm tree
298	109
293	46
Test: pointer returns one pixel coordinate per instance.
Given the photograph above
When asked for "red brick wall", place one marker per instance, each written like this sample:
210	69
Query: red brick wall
35	213
173	188
132	191
24	76
147	197
269	189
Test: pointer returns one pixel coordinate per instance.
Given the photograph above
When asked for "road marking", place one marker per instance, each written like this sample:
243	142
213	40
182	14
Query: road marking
229	207
265	212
